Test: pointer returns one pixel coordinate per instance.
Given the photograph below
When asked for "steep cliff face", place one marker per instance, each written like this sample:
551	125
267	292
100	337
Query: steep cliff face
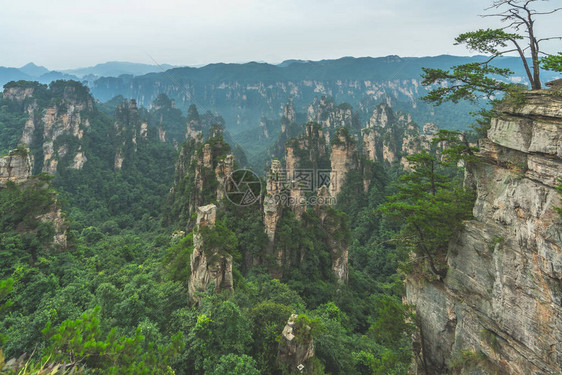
390	136
15	167
200	173
127	132
207	264
335	228
499	310
57	118
300	186
296	346
330	116
272	207
18	93
343	158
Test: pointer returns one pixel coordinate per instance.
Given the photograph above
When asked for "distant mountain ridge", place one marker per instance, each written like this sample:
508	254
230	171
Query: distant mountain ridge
117	68
245	93
33	72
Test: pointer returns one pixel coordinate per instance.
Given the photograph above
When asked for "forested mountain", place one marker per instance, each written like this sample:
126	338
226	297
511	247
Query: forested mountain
245	93
137	230
133	240
117	68
41	74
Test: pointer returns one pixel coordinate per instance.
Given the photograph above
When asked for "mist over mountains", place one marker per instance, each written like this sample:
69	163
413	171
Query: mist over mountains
247	94
33	72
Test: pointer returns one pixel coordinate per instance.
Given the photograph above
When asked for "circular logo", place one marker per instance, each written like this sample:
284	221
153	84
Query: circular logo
243	187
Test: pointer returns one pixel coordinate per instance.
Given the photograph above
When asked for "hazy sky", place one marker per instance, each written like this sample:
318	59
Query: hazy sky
63	34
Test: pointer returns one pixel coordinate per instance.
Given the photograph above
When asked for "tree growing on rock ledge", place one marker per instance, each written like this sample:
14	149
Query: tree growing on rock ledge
431	207
468	81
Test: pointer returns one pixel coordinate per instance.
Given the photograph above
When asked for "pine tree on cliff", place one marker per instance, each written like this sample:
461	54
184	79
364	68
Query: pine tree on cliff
431	206
469	81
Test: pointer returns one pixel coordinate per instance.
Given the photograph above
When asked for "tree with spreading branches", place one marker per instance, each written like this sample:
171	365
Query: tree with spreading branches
468	81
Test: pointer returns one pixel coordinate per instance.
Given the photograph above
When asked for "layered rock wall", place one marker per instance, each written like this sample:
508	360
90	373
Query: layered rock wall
207	265
390	137
499	309
15	167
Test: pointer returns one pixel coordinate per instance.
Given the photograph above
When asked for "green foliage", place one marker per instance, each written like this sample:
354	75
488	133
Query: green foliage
489	41
456	147
341	132
232	364
218	239
221	330
5	303
12	122
130	266
20	224
392	326
80	342
432	208
468	81
176	261
269	320
552	62
465	82
5	289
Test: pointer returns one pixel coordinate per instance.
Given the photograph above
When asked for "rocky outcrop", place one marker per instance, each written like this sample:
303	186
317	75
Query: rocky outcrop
207	264
60	225
54	127
127	132
389	136
343	158
194	126
224	168
330	116
271	206
499	309
305	153
18	93
296	346
306	161
15	167
335	228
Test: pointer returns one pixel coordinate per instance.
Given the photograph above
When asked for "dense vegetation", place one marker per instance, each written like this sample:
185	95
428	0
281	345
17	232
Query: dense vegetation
116	299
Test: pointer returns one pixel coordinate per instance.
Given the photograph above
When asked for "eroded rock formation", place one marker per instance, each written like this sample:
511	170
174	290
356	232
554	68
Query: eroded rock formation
18	93
330	116
207	264
271	206
499	309
15	167
306	161
390	137
334	227
296	346
343	158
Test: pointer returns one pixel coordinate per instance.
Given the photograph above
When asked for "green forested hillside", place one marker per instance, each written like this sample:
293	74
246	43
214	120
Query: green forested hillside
115	298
